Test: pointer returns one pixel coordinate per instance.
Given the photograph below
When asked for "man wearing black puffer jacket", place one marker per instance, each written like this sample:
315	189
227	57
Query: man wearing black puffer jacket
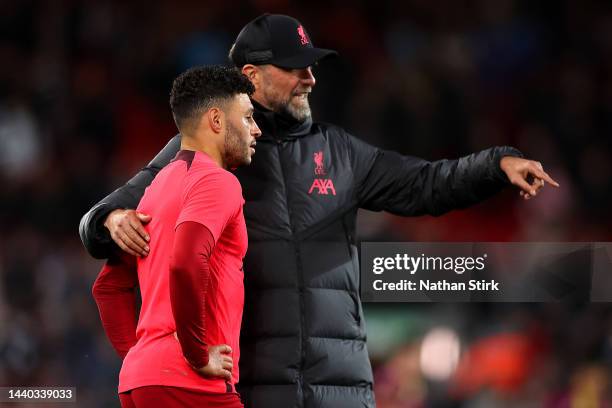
303	341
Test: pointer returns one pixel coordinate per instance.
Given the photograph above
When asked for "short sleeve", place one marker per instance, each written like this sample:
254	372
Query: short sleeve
212	200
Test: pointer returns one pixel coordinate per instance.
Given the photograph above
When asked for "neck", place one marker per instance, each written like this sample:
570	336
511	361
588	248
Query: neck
189	143
256	98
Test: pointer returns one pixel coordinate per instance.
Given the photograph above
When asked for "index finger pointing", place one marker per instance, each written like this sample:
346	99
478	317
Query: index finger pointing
544	176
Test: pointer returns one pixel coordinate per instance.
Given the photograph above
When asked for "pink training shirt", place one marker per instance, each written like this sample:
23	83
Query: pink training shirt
191	188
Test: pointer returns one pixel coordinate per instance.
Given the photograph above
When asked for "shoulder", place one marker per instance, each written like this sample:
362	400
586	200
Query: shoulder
334	135
174	169
210	176
338	136
324	127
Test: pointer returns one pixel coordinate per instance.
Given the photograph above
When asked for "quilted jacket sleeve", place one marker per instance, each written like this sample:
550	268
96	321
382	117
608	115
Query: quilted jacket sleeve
407	185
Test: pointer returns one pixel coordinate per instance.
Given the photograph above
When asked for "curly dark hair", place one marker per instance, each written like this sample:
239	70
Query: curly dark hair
199	89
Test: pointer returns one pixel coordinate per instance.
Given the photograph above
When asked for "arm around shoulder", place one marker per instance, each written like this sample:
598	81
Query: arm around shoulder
94	235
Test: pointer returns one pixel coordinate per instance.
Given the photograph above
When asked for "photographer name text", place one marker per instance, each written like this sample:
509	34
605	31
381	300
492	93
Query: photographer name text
436	285
422	263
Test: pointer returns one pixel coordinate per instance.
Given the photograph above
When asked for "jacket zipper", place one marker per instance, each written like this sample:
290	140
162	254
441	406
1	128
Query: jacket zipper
300	273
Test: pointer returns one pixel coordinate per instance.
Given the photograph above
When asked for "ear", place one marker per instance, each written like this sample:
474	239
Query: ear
253	73
216	119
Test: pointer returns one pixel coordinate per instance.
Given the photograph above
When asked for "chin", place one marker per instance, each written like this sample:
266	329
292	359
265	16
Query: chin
300	113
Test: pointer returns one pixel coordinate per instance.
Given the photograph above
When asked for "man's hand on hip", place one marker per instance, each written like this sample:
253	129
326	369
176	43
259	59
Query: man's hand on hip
528	175
220	362
127	230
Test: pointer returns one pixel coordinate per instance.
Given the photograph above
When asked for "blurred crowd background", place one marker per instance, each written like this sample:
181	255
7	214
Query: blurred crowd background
84	104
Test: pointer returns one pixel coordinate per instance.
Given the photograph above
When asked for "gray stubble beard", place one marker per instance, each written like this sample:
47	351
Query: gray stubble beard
299	113
284	107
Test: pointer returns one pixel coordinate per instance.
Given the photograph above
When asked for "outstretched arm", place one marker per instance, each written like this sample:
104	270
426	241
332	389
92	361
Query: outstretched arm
94	226
406	185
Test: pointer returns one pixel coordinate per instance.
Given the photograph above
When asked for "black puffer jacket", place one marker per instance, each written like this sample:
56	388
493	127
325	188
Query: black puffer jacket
303	341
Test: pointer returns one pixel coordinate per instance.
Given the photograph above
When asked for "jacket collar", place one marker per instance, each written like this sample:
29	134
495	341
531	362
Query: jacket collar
275	126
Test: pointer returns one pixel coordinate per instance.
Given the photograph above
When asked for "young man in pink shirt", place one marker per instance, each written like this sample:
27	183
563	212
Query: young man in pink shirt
185	348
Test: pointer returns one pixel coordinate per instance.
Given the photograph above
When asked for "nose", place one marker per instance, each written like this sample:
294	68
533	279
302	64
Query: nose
255	131
307	77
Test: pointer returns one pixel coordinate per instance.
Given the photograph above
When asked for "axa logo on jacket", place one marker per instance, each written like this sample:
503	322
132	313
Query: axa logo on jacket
322	186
